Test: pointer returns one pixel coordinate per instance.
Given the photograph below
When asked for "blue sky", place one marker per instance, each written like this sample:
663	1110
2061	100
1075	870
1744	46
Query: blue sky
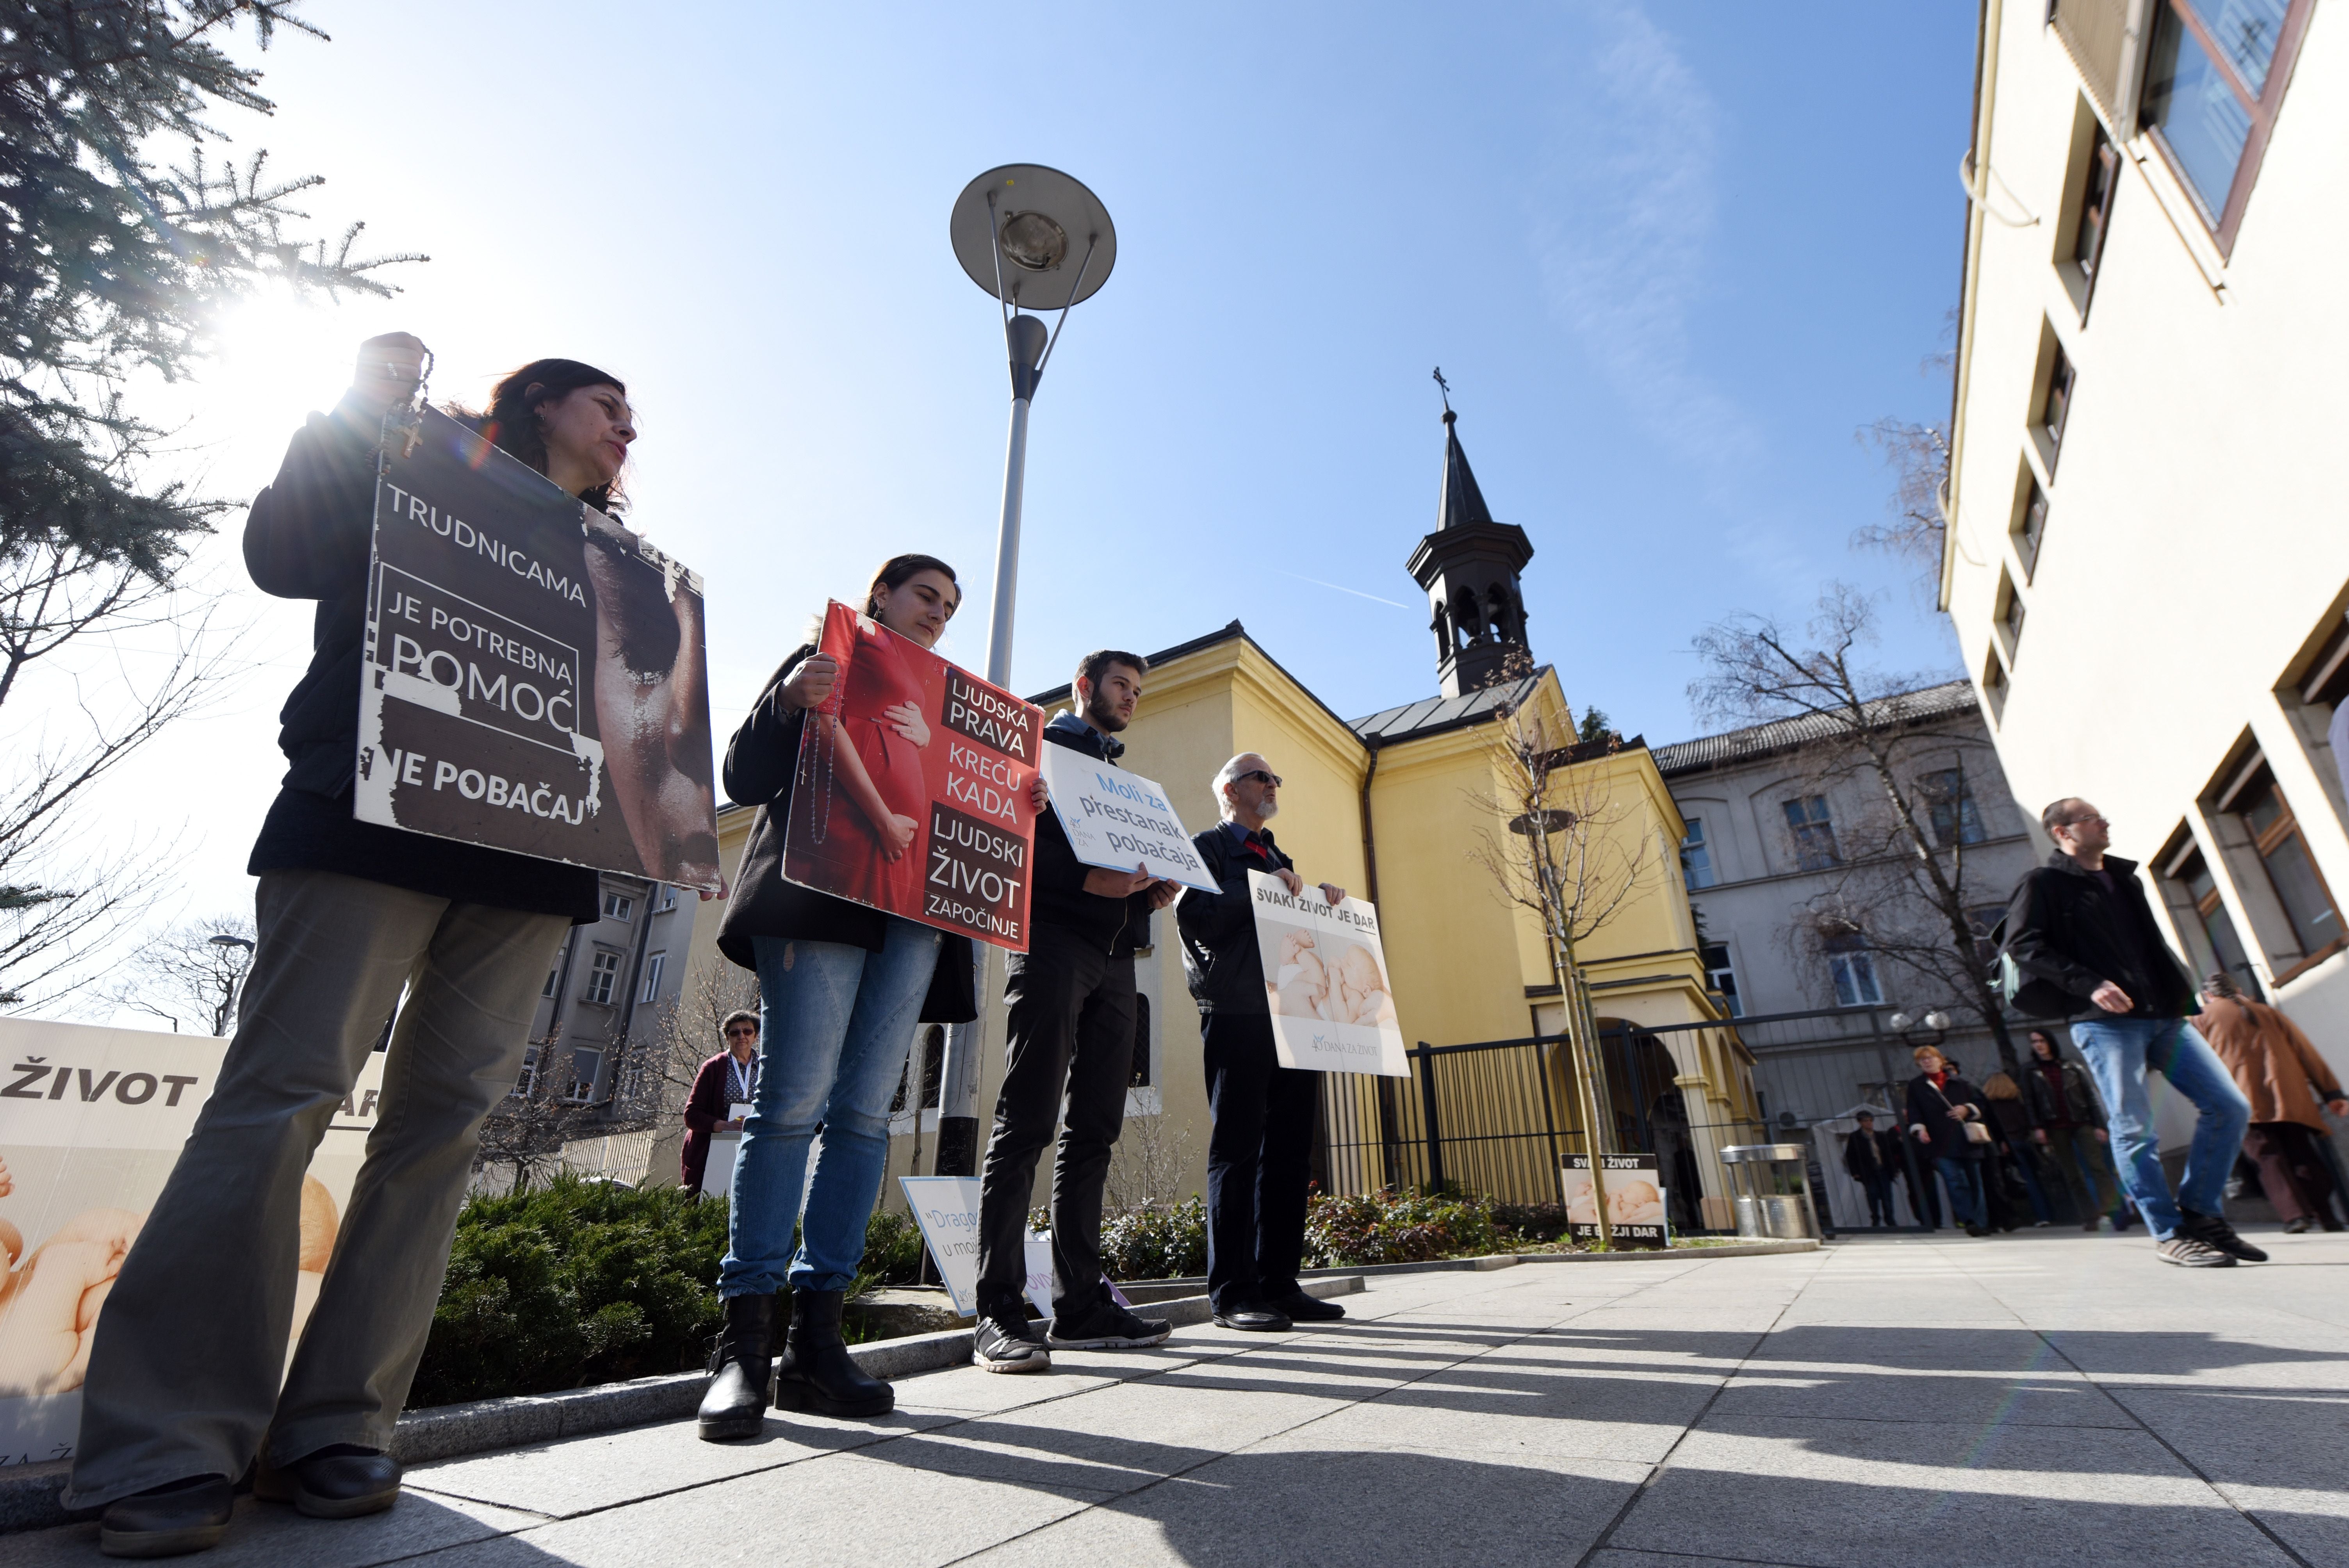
1671	259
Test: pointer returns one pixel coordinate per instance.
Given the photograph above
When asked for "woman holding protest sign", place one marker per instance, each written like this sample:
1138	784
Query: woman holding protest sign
184	1377
841	987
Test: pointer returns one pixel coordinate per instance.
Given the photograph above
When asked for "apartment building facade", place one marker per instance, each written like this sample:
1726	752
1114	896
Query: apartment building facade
2146	557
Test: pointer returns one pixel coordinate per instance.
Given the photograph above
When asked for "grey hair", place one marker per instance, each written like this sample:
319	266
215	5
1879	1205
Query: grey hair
1227	774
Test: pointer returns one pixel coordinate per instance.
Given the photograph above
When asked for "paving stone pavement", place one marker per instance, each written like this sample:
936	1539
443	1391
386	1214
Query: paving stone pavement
2043	1397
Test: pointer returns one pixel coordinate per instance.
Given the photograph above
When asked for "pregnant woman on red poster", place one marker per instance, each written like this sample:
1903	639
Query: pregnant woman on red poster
879	771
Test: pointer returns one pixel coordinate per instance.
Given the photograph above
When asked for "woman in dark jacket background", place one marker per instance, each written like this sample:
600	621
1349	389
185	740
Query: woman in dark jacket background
841	988
1941	1105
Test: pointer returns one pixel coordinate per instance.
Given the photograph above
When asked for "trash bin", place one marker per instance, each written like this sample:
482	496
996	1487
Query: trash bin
1771	1193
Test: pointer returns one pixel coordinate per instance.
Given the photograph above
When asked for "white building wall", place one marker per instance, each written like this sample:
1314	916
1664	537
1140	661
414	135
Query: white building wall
2196	540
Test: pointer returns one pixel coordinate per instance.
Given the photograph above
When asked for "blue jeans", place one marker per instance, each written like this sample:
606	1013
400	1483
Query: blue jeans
2118	1051
835	1026
1963	1178
2026	1167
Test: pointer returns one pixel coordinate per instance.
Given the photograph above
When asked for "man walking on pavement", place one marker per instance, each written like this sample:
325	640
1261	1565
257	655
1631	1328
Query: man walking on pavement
2082	936
1260	1114
1863	1159
1071	1006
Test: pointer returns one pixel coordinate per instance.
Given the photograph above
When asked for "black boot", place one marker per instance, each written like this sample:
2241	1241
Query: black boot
816	1373
736	1403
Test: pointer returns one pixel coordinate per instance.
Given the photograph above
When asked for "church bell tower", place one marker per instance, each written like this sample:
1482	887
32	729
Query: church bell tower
1469	566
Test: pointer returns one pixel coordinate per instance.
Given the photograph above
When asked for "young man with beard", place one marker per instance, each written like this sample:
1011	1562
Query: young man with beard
1260	1131
2080	930
1071	997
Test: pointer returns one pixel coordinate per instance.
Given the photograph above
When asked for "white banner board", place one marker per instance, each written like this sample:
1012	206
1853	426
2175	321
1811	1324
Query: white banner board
1324	976
1118	819
946	1209
1635	1199
91	1122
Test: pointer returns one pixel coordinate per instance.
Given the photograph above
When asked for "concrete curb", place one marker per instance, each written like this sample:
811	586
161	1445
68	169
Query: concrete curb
28	1493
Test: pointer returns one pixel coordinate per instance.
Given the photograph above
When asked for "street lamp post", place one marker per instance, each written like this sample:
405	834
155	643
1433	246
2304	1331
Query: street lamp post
228	1003
1038	241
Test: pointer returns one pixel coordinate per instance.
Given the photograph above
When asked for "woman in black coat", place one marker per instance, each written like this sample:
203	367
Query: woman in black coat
1941	1105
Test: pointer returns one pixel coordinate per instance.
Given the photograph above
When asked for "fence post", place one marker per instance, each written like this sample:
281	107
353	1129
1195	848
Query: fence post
1434	1132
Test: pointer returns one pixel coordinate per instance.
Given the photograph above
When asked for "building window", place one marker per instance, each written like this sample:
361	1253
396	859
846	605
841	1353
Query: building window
1814	839
933	1041
617	906
2299	886
527	1084
1140	1077
2192	876
2100	179
2055	406
666	900
585	1067
1994	686
654	963
553	978
2213	82
602	977
2030	528
1721	975
1853	968
1981	920
1696	859
1956	819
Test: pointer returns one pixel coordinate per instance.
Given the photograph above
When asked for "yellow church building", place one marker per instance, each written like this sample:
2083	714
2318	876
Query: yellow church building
1404	807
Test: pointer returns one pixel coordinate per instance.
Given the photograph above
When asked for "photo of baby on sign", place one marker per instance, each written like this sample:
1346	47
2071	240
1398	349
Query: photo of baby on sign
1326	982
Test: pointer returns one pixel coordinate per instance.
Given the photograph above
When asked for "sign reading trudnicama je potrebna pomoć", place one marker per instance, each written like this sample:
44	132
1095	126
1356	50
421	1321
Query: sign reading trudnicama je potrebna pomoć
535	679
1119	821
1325	975
912	790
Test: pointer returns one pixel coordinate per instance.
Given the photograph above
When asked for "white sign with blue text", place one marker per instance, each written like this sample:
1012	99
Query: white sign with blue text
1119	821
946	1209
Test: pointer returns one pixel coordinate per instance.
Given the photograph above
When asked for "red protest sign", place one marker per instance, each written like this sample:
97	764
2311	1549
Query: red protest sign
912	790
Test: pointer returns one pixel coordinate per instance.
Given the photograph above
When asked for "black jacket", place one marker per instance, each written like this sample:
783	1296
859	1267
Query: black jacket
1220	957
2080	1102
310	536
1947	1133
2064	930
1864	1158
761	762
1057	893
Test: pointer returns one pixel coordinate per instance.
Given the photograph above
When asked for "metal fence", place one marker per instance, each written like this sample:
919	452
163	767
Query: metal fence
1485	1118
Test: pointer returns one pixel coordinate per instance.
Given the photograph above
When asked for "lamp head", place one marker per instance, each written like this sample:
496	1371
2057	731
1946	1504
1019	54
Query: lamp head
1046	236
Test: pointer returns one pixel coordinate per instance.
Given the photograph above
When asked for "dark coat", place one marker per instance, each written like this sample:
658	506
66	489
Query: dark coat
705	1108
1057	894
2081	1105
310	535
2064	930
761	762
1947	1132
1220	957
1863	1156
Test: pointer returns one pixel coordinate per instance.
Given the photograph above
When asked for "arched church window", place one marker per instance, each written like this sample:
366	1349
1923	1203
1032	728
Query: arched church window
1442	631
1467	619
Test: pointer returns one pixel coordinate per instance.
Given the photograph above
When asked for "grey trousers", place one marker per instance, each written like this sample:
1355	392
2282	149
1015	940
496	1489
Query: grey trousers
183	1376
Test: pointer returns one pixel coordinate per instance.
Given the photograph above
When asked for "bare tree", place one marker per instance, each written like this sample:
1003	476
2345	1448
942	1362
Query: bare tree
190	975
1153	1156
1898	875
1919	456
1561	853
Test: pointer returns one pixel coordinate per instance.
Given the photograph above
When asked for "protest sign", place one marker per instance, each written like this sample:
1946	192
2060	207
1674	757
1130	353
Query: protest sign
1324	976
946	1210
91	1122
911	794
1635	1199
534	678
1119	819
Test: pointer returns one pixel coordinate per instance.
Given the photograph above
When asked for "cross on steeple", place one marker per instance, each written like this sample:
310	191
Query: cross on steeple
1469	567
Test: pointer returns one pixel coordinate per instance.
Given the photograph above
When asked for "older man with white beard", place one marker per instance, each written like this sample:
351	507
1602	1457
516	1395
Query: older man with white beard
1260	1140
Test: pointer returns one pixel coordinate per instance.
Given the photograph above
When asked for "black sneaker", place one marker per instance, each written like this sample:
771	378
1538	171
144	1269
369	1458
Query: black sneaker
1105	1326
1005	1343
2186	1251
2212	1230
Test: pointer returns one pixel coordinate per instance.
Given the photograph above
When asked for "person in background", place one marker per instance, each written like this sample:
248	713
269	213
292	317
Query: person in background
2067	1122
841	988
1260	1114
2012	1123
727	1080
1069	1014
188	1385
1863	1160
2080	931
1942	1106
2281	1073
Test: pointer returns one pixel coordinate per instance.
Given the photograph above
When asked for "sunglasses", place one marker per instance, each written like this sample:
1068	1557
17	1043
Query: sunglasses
742	1032
1262	776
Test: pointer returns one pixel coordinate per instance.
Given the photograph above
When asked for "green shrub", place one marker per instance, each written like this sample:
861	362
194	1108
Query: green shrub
1154	1243
590	1281
1391	1227
1530	1222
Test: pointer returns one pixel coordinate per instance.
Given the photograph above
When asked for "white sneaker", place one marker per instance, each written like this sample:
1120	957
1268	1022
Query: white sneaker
2186	1252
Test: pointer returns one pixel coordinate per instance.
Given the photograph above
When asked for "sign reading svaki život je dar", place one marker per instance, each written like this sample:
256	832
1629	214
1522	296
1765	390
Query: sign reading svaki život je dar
1119	819
534	678
1635	1198
1325	975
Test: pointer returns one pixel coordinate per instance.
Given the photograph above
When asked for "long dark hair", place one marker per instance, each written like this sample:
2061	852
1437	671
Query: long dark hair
511	420
899	570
